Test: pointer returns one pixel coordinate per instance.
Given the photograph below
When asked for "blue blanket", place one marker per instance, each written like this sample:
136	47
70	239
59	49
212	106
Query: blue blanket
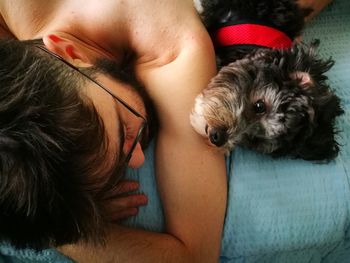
279	210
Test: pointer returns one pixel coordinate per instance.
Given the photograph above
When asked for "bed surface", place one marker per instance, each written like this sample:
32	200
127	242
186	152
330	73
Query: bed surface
279	210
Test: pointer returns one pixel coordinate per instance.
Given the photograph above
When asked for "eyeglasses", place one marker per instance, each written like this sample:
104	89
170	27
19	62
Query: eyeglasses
143	126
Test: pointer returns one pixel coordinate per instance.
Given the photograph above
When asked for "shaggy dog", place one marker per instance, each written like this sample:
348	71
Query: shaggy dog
270	95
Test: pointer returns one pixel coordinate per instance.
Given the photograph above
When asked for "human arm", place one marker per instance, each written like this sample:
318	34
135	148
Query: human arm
191	175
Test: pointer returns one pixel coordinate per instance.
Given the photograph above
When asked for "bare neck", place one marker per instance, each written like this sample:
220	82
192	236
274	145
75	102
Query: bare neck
25	19
111	26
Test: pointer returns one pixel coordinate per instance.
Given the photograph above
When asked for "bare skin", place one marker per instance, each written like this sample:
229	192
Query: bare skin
174	60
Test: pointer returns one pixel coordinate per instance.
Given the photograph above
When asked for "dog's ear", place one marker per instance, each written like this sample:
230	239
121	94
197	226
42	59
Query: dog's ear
319	141
306	67
320	146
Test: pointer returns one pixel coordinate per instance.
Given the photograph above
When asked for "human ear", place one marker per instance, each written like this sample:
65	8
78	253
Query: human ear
67	48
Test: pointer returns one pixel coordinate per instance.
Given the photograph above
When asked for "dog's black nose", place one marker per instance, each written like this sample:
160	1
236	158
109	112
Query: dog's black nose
217	136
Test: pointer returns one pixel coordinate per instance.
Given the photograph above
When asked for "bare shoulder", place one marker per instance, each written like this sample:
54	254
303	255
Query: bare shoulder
174	79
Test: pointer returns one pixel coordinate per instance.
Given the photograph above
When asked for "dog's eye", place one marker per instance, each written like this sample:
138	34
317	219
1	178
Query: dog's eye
259	107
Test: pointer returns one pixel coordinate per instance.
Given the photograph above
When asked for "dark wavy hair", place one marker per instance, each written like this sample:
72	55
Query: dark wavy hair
52	150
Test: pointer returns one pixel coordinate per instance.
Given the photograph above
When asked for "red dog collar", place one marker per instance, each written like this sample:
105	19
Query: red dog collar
251	34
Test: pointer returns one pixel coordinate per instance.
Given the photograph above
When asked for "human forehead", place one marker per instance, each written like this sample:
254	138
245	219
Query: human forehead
109	114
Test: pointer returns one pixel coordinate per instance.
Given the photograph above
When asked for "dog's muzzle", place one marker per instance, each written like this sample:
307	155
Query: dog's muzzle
211	127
